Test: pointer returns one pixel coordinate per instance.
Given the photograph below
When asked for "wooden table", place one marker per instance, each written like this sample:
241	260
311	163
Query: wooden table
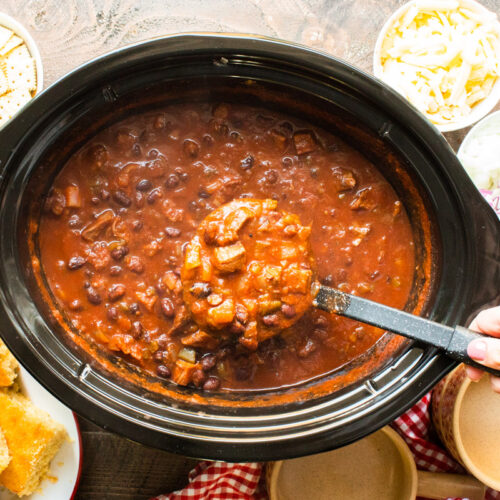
70	32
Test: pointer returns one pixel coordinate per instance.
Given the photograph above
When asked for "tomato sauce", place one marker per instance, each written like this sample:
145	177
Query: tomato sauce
122	210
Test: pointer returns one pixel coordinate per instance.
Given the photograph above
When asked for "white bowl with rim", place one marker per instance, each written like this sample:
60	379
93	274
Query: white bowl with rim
478	110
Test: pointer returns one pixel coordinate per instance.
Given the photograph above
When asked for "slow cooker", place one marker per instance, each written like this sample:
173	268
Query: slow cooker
457	235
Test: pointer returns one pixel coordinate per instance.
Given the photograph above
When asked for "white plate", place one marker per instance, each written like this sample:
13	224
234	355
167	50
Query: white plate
66	464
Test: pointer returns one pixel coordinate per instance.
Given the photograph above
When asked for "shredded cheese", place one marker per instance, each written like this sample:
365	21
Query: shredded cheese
443	57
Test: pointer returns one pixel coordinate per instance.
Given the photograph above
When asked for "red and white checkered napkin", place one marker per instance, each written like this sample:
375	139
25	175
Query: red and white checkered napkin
243	481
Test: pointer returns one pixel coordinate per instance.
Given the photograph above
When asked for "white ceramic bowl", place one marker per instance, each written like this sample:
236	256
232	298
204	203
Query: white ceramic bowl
479	110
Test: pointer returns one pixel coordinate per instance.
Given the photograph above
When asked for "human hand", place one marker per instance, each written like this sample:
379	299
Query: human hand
486	351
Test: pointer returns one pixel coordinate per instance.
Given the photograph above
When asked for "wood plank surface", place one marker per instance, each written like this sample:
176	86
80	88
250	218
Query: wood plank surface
70	32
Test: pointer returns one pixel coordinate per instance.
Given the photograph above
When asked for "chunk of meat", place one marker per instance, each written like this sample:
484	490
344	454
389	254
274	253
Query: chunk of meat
201	339
304	142
231	258
92	231
235	220
193	255
363	200
297	280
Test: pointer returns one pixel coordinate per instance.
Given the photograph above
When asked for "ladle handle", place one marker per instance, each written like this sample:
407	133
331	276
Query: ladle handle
453	341
438	485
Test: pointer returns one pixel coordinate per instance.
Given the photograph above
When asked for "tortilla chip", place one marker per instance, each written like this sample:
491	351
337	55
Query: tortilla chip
5	34
20	69
13	42
11	102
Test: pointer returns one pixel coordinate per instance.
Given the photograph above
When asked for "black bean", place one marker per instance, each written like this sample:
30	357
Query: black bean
183	176
144	185
201	290
237	328
271	176
156	194
112	313
76	305
288	310
116	292
119	252
137	225
158	356
153	153
163	341
74	221
241	314
191	149
93	296
136	150
76	263
211	384
137	329
247	162
327	280
198	378
167	307
134	308
203	193
208	362
163	371
139	199
172	181
115	270
270	320
86	284
121	198
172	232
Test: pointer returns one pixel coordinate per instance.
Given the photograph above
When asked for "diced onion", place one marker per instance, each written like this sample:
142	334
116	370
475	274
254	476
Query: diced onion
443	57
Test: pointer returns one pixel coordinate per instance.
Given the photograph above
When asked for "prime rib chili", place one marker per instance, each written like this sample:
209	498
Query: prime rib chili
121	217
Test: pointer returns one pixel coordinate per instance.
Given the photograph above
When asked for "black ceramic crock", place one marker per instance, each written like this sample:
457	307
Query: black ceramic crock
465	241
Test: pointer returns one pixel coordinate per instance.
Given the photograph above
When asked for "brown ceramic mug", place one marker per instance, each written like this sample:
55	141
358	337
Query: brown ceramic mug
466	416
379	466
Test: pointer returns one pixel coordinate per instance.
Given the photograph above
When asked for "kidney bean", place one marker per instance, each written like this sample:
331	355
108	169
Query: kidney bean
119	252
167	307
137	329
271	176
116	292
247	162
163	371
115	270
208	362
203	193
172	181
172	232
76	263
86	284
122	198
270	320
93	296
288	310
112	313
135	264
211	384
191	148
144	185
198	378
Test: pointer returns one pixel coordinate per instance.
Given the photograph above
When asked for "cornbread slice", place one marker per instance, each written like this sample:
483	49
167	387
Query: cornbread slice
4	453
8	366
33	439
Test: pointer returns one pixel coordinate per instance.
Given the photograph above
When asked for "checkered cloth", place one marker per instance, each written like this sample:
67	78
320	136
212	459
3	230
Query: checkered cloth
244	481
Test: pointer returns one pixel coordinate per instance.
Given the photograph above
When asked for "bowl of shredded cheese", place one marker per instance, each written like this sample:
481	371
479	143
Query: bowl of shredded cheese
479	154
444	57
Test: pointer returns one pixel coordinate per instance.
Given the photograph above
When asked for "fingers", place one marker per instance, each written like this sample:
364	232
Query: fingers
495	383
473	373
485	351
487	322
